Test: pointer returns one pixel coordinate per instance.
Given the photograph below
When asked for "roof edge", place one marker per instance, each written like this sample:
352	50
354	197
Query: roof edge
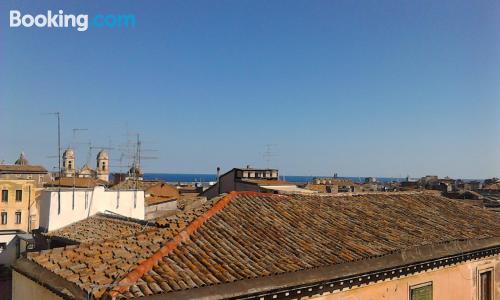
49	280
132	277
319	280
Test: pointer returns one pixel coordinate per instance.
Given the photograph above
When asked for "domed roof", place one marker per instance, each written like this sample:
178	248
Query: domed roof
102	155
22	161
69	153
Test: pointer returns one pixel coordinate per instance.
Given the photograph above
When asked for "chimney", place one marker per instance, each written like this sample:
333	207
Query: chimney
218	184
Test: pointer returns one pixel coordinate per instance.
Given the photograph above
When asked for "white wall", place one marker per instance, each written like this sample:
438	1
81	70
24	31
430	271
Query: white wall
24	288
87	202
8	256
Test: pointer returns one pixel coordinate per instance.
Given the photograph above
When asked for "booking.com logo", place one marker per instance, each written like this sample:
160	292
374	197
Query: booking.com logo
81	22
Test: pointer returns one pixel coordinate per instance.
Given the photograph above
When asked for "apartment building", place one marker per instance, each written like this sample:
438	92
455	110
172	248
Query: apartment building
18	215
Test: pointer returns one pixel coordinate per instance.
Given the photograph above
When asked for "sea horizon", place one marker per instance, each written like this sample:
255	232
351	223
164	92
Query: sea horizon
200	177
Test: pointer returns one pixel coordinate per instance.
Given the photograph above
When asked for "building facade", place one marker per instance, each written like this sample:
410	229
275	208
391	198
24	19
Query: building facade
242	179
470	280
18	215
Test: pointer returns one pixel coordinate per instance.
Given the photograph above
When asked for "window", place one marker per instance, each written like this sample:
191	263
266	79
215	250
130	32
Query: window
4	217
5	195
18	217
70	165
3	246
485	285
103	166
19	195
421	291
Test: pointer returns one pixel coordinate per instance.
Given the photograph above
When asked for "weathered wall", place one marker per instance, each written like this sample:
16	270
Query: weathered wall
451	283
155	210
24	288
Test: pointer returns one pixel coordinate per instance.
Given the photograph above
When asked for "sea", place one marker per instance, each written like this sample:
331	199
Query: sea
183	178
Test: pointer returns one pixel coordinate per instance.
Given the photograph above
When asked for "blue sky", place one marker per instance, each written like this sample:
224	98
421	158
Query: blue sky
361	88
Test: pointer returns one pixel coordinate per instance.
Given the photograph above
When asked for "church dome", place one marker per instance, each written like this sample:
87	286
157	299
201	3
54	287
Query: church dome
69	153
22	161
102	155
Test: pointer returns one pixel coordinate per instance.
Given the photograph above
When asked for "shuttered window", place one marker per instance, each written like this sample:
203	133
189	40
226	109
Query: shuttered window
485	281
421	292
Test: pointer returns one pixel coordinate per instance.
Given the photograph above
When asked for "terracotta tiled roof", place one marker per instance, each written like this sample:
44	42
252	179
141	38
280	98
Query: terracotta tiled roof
135	184
22	169
77	182
252	235
98	227
111	259
161	192
154	191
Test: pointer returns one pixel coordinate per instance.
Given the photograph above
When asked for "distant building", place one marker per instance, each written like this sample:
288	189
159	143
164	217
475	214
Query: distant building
370	180
62	206
21	169
333	185
462	185
429	179
69	166
251	179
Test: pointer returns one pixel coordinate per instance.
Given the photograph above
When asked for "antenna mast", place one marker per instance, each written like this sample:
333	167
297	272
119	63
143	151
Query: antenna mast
268	154
58	114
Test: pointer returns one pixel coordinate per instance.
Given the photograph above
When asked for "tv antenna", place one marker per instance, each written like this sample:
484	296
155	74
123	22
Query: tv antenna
58	115
268	154
75	130
133	150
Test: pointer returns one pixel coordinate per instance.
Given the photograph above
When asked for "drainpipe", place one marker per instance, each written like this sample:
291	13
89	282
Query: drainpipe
29	208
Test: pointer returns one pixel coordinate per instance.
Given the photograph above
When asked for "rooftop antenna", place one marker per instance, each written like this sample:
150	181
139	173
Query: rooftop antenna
91	147
75	130
58	114
268	154
74	139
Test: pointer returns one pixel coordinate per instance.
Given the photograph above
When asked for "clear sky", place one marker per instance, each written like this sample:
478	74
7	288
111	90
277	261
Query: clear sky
361	88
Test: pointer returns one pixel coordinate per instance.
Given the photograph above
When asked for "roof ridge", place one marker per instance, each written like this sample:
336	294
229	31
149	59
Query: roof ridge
133	276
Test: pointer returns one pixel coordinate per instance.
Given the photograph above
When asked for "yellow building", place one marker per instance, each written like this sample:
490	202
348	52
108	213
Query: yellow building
17	202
